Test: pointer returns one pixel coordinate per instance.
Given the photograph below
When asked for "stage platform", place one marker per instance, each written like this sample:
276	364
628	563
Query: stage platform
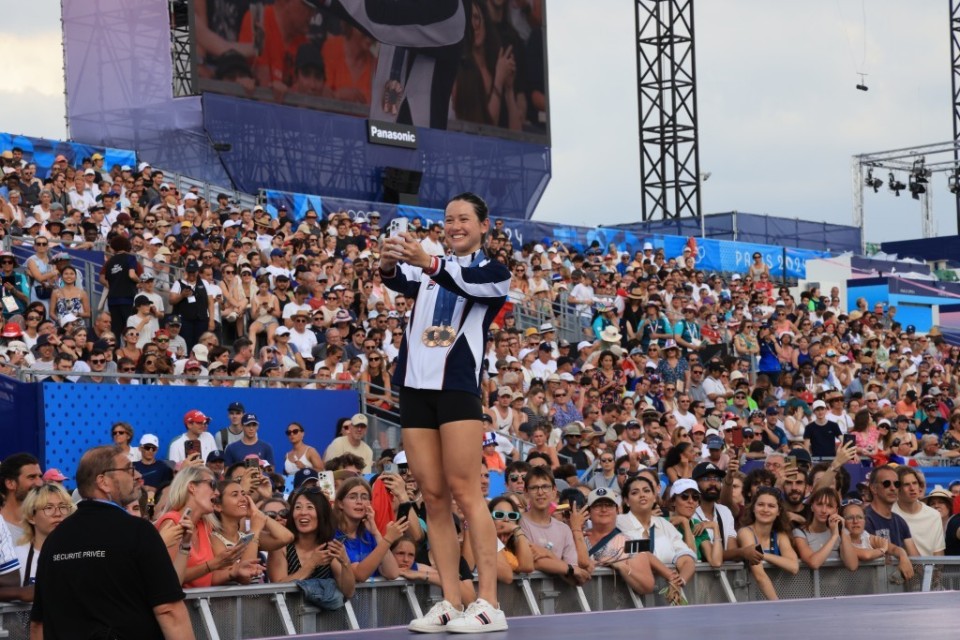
931	616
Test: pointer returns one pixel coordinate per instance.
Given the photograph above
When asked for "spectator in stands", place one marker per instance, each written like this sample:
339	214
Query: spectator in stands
155	472
120	274
43	275
638	522
301	455
516	548
187	526
196	424
554	551
821	436
192	305
44	508
703	537
925	522
313	551
122	434
352	442
880	517
823	536
367	548
15	289
767	528
249	444
20	473
871	547
237	517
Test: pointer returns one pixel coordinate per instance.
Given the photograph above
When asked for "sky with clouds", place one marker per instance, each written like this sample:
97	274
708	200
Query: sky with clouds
780	116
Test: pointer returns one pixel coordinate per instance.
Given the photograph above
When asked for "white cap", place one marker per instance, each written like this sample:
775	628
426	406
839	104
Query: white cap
191	196
819	404
142	166
525	352
149	438
683	484
583	344
400	458
282	331
730	424
567	377
648	246
67	319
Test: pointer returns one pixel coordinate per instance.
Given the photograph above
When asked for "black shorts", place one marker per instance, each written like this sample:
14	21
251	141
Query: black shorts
428	409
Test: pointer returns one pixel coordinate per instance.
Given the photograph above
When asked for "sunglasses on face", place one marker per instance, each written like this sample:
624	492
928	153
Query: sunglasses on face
119	432
511	516
516	477
283	513
886	484
291	432
148	447
689	496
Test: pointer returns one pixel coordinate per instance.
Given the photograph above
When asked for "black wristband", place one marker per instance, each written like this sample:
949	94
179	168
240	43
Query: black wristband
569	570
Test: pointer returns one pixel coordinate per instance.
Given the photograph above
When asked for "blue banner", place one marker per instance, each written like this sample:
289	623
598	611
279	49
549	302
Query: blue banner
736	257
43	152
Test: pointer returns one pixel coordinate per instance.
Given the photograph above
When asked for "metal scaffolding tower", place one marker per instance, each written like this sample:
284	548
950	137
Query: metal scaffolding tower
181	47
667	87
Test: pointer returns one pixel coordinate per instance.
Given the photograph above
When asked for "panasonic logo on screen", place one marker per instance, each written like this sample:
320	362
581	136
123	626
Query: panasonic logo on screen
392	134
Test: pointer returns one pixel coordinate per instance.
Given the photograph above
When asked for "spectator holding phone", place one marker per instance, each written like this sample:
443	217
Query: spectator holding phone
239	522
196	441
186	528
823	536
767	528
554	550
312	552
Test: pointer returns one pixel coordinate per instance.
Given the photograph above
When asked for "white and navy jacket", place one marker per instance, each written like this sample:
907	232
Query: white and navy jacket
481	290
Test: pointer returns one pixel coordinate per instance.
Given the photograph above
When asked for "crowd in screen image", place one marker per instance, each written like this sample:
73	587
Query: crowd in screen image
480	62
646	416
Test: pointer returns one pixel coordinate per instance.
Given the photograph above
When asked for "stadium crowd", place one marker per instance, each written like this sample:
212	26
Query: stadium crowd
712	417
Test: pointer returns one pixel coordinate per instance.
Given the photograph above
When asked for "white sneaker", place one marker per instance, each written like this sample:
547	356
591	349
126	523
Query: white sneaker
436	619
480	617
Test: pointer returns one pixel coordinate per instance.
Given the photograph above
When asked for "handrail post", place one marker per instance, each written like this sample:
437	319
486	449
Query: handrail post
207	616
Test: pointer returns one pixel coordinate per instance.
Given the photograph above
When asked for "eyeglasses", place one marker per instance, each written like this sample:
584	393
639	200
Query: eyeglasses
148	447
135	334
131	470
539	488
374	359
120	432
623	471
33	317
690	496
97	360
516	477
163	339
512	516
291	432
886	484
128	369
283	513
41	244
210	483
50	509
559	395
357	497
606	459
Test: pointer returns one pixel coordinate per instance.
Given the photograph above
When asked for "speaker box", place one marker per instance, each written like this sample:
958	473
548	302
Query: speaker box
401	186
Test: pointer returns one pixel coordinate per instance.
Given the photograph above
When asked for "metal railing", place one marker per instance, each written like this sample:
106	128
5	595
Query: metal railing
278	609
209	191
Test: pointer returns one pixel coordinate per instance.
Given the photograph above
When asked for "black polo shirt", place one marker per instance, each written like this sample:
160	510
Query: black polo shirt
103	569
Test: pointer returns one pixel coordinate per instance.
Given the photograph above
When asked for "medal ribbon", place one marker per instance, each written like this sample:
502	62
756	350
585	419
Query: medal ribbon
447	300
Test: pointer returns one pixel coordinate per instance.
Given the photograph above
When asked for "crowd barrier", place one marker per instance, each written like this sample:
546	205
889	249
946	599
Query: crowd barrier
258	611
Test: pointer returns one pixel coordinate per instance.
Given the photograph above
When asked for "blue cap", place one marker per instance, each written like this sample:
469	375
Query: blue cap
236	406
249	418
714	442
277	252
303	475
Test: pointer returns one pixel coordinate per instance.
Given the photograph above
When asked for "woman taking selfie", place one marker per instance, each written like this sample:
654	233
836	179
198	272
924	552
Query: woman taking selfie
438	375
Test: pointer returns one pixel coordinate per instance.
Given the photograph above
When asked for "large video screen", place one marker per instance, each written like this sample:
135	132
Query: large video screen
466	65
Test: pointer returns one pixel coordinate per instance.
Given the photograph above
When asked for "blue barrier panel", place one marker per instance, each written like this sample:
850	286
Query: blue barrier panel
79	416
21	417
